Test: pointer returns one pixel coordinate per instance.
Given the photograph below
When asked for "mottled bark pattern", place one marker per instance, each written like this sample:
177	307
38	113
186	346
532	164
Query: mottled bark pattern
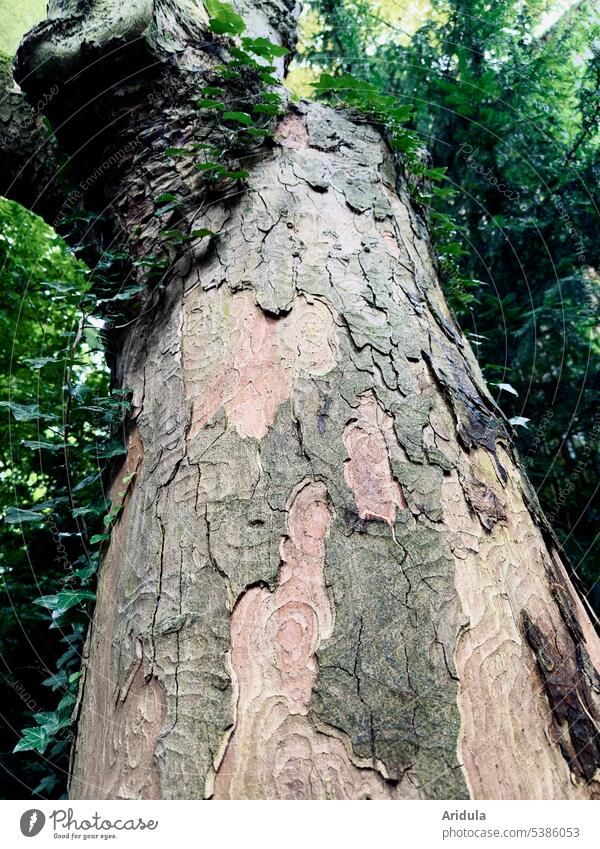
329	578
302	357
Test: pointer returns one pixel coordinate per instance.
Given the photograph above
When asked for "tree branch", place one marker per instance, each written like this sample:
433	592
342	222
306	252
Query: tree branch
27	164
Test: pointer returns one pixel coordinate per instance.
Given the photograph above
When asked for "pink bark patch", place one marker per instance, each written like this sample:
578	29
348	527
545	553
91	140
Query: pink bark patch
253	383
368	472
275	751
245	361
291	132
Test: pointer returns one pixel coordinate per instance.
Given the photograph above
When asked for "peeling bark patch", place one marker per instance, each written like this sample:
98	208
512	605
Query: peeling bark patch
242	360
573	702
368	472
484	503
292	132
275	750
500	572
139	719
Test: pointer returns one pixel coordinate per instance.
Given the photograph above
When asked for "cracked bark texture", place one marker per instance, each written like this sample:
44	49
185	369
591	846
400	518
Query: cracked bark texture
330	578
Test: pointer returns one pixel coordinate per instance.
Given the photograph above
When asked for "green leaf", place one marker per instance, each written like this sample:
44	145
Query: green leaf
33	740
26	412
506	387
212	90
39	362
46	785
51	721
210	103
64	600
244	58
167	198
44	446
177	151
84	574
14	516
224	20
172	235
263	47
239	118
270	97
57	681
269	79
99	538
201	234
236	175
215	167
267	109
258	133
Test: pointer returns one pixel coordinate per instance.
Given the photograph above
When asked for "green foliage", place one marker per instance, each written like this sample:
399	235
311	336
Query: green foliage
55	414
17	17
513	116
240	104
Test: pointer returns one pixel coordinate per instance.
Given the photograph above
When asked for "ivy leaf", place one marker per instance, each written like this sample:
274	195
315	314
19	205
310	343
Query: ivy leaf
14	515
401	114
267	109
112	448
212	90
26	412
56	681
507	388
177	151
210	103
173	236
84	574
239	118
328	83
99	538
201	234
519	421
66	703
214	167
39	362
52	722
35	445
224	20
126	294
244	58
263	47
46	785
33	739
64	600
270	97
268	78
236	175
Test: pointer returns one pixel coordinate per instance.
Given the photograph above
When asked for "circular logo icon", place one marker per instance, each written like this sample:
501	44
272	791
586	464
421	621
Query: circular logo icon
32	822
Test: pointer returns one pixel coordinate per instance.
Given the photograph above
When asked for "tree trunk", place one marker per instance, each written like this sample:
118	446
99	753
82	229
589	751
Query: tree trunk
329	578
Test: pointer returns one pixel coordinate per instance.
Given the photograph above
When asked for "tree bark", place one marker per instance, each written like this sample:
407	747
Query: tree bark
28	170
330	577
